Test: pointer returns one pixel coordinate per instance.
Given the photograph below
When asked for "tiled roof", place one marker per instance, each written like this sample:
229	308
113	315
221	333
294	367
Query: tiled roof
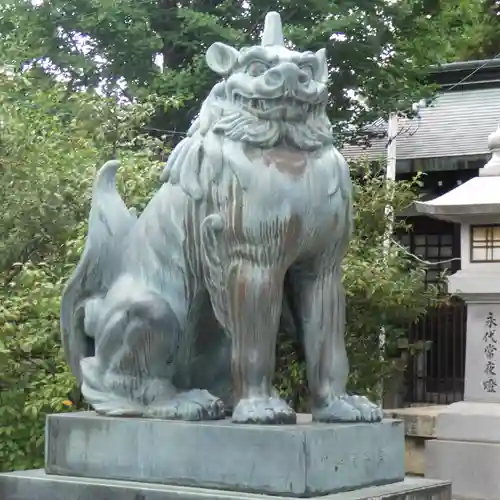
458	123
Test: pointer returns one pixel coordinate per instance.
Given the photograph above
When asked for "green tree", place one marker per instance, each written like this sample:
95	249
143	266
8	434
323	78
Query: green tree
50	146
377	49
468	28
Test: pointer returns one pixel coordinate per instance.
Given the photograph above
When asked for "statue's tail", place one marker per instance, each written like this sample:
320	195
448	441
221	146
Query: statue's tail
109	222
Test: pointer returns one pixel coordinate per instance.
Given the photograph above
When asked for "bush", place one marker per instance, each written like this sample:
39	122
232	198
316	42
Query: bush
50	146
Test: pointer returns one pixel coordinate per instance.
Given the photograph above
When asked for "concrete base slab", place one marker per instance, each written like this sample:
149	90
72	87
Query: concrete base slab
36	485
420	423
472	468
303	460
469	421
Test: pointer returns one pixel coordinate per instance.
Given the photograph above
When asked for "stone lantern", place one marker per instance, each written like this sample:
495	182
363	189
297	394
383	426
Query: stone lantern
467	445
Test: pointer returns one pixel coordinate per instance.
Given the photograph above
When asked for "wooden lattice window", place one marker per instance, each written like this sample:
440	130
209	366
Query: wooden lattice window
432	248
485	243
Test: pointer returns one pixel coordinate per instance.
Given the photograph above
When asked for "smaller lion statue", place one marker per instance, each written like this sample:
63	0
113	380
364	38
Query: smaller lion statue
174	314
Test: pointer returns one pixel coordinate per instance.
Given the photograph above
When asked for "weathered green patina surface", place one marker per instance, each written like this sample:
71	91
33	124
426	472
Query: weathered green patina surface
176	312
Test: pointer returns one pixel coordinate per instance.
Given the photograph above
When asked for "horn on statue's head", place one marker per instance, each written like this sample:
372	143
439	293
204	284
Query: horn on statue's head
273	31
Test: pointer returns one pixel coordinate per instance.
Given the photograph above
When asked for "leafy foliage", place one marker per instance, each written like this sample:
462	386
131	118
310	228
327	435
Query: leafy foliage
377	49
385	292
51	144
469	28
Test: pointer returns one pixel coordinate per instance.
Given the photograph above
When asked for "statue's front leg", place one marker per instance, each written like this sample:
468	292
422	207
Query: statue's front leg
245	283
250	312
254	310
320	300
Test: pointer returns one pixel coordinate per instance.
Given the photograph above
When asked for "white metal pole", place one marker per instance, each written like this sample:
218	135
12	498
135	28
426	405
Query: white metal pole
392	133
390	177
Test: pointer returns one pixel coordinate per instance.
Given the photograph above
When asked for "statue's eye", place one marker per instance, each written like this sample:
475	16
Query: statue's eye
257	68
307	69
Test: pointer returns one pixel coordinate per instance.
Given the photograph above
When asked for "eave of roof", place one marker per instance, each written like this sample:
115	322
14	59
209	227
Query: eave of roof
457	124
466	74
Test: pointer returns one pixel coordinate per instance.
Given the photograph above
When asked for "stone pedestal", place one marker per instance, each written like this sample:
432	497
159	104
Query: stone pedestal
37	485
467	450
301	460
90	457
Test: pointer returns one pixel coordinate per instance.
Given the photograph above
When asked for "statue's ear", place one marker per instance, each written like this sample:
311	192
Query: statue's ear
322	74
221	58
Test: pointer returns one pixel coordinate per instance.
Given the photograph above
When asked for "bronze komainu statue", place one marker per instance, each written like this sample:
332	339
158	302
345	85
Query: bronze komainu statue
173	313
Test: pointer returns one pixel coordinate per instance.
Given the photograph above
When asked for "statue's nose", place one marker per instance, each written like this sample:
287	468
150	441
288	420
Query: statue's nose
287	74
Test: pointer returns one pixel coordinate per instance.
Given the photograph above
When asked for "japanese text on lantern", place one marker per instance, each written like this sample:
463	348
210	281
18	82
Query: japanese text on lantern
490	349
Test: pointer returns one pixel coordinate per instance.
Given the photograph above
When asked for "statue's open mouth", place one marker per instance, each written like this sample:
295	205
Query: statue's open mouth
282	107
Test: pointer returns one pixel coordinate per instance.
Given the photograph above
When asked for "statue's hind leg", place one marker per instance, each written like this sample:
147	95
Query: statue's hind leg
320	306
140	344
211	361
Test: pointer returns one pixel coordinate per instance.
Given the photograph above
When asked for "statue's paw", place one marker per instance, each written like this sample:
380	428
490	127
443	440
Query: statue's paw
370	412
193	405
272	410
336	410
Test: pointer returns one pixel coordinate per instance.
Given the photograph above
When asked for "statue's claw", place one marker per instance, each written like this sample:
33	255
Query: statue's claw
348	408
270	410
336	409
192	406
370	412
